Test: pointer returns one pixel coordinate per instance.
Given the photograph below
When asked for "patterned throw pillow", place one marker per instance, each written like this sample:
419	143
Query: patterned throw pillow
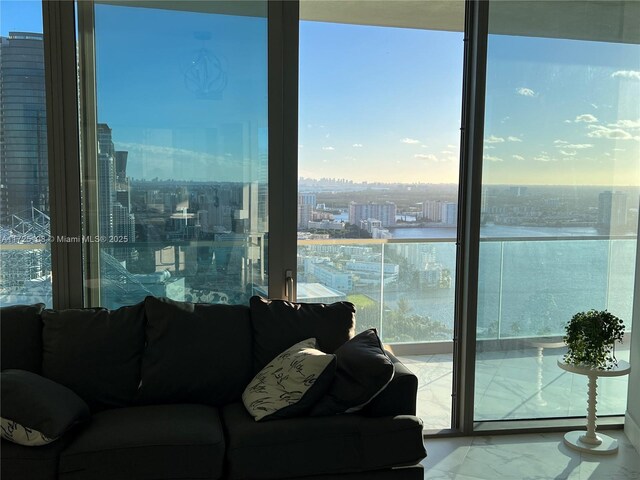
16	433
291	383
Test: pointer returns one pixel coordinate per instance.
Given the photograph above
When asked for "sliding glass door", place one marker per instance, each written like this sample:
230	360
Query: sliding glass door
378	161
559	206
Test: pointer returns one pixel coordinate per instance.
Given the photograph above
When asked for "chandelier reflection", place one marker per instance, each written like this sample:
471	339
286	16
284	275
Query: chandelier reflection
206	75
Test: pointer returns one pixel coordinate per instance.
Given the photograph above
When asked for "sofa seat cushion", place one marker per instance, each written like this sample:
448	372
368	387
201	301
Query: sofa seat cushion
297	447
182	441
29	463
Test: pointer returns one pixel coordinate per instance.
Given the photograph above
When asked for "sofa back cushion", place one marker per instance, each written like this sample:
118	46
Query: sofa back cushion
95	352
21	337
195	353
278	324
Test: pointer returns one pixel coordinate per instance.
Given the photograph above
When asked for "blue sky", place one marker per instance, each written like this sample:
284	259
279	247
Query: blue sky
376	103
23	15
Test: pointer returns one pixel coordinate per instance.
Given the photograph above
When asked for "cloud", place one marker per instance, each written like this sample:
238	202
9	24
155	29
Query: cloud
599	131
411	141
426	156
328	148
491	158
629	74
357	145
489	147
518	157
300	146
452	146
578	146
572	146
568	153
544	158
631	124
585	118
514	139
148	161
494	139
447	152
526	92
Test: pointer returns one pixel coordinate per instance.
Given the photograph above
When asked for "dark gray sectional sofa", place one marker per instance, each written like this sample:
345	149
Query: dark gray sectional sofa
164	380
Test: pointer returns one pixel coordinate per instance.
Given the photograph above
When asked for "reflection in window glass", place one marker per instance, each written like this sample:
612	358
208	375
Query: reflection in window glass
25	255
559	215
181	153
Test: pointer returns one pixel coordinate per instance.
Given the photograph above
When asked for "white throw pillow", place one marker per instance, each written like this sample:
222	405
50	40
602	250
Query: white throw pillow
291	383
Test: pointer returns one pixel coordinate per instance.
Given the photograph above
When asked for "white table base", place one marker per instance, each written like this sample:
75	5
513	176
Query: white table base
574	440
589	441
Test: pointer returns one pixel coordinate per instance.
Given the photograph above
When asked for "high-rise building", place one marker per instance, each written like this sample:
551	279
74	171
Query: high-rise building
432	210
114	196
306	204
307	199
106	180
612	213
385	212
23	127
450	213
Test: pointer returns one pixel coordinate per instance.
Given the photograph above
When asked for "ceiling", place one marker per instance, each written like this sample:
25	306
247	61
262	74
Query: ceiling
599	20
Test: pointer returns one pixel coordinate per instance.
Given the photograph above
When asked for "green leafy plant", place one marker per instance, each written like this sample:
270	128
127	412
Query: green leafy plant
590	338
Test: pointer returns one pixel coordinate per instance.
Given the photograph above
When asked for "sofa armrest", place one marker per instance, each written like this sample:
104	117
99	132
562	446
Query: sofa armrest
399	398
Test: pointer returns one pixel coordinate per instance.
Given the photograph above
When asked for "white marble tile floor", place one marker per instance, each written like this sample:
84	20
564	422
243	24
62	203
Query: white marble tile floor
526	457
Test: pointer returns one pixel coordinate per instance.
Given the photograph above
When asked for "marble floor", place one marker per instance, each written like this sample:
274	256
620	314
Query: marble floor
526	457
513	384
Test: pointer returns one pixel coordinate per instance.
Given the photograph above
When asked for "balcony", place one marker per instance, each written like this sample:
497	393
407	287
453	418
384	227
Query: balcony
529	287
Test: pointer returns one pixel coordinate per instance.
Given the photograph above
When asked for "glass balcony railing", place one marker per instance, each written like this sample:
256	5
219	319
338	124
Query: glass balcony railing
406	289
529	287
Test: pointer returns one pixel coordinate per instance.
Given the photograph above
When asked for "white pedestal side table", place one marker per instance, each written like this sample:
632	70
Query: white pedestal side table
589	441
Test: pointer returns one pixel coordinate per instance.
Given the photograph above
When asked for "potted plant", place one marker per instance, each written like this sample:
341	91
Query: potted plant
590	338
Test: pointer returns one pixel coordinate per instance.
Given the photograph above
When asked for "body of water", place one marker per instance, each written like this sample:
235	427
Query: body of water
492	231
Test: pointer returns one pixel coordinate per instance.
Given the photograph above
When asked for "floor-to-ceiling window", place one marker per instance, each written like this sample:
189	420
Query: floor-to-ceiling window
178	151
25	254
378	164
559	206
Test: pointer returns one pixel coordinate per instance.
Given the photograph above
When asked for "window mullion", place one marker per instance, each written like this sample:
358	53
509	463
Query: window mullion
63	154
